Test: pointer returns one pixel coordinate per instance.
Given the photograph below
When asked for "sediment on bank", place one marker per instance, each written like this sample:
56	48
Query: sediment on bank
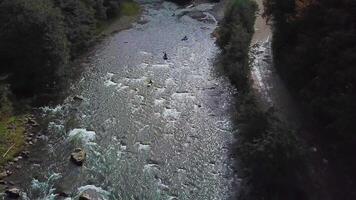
271	157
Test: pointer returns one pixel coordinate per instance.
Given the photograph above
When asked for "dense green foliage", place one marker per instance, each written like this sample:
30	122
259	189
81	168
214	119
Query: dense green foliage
32	41
234	37
314	49
270	153
38	37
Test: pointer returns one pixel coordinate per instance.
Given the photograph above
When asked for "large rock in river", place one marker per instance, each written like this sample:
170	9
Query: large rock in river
13	193
78	156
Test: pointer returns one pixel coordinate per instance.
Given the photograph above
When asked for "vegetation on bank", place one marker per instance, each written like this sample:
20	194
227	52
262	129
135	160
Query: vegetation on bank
314	48
38	38
12	129
271	156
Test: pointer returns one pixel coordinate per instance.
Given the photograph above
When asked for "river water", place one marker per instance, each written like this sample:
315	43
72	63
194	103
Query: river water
151	128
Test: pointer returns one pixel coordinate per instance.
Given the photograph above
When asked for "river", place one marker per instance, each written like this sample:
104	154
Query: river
151	128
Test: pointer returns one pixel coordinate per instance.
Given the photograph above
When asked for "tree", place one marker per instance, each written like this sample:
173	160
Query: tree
33	43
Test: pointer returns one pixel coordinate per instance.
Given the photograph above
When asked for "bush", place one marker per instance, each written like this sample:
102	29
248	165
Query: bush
80	24
39	37
32	43
270	153
314	44
234	38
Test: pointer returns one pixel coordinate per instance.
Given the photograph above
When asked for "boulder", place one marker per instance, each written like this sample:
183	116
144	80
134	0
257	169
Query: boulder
13	193
78	156
78	98
84	197
90	195
32	122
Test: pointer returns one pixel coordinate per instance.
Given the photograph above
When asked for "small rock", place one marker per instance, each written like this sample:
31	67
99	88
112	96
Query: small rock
3	175
32	122
314	149
78	98
25	154
13	193
325	161
36	165
16	159
30	143
78	156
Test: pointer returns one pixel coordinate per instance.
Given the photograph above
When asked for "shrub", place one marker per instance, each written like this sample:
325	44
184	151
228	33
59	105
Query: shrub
234	37
32	43
270	152
80	24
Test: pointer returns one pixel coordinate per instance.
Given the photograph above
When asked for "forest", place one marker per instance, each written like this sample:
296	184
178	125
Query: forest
270	154
314	46
38	38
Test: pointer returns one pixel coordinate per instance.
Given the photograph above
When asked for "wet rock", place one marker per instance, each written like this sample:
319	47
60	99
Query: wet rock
62	194
90	195
13	193
325	161
78	156
84	197
25	154
78	98
32	122
3	175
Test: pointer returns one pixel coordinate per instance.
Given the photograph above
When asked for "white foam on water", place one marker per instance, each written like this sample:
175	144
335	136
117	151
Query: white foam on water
159	91
46	189
208	15
145	53
160	66
159	102
136	80
120	87
83	135
150	167
183	96
57	128
171	113
142	147
108	82
53	110
170	82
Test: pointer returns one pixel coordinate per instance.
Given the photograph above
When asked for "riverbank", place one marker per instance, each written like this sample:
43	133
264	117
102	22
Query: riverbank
19	130
271	155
